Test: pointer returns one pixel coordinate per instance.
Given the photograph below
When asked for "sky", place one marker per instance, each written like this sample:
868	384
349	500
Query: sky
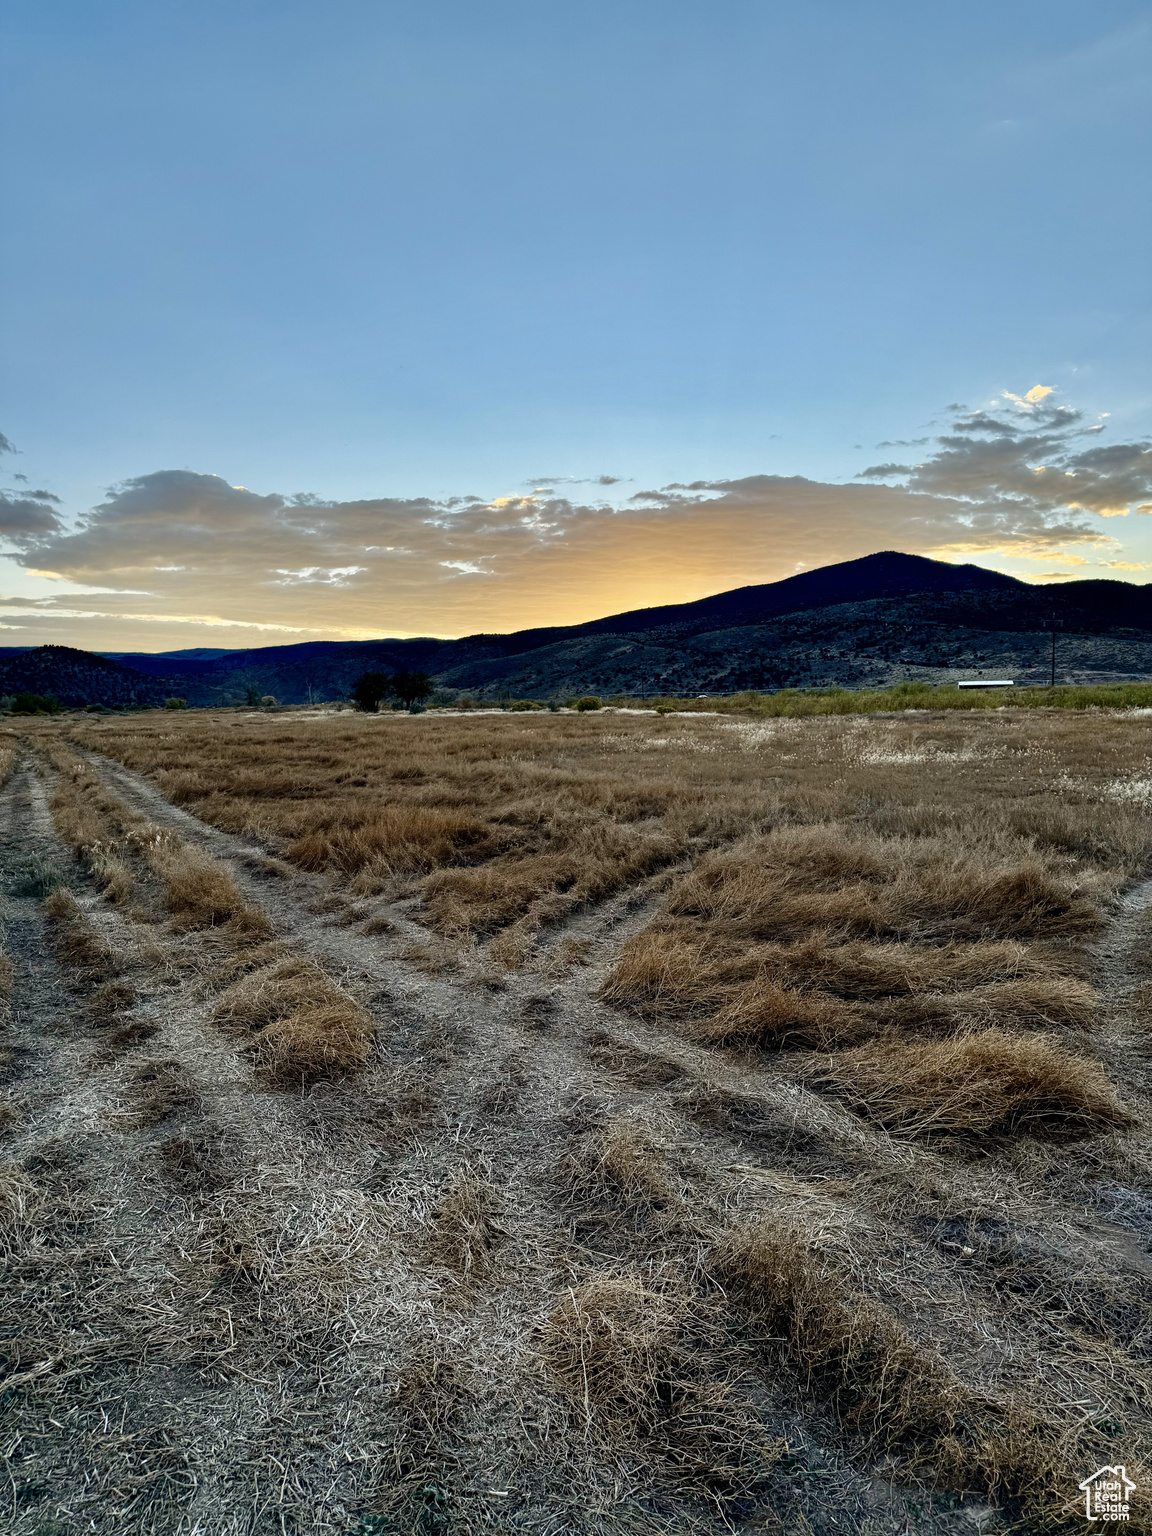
390	318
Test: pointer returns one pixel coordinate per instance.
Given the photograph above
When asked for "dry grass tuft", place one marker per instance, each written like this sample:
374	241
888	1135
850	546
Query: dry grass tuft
124	1037
853	1354
614	1346
160	1089
621	1164
201	893
77	942
298	1023
767	1014
848	1350
641	1362
641	1068
398	840
1034	1002
195	1164
538	1010
110	1000
463	1229
761	1125
79	818
797	879
986	1084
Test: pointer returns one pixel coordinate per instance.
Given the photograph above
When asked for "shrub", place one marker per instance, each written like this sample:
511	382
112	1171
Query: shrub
587	702
36	704
175	703
268	701
522	704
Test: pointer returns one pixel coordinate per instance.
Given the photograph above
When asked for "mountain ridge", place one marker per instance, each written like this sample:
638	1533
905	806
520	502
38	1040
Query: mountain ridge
882	618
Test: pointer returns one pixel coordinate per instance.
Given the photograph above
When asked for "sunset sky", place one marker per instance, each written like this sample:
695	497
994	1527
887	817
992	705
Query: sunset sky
390	318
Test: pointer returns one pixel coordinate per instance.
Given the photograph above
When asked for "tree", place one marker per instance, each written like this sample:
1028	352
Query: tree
369	688
410	686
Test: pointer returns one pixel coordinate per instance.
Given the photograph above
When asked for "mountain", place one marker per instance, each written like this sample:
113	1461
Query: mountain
882	619
77	678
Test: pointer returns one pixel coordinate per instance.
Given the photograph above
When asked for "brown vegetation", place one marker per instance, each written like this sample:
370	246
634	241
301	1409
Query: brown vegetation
986	1084
298	1024
77	941
463	1226
814	1113
620	1162
160	1089
854	1354
201	893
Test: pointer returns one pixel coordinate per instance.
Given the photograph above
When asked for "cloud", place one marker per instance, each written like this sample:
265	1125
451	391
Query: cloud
177	548
1032	457
1031	398
308	575
6	444
26	518
542	482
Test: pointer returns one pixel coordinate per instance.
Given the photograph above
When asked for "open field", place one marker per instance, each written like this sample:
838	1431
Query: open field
800	702
576	1123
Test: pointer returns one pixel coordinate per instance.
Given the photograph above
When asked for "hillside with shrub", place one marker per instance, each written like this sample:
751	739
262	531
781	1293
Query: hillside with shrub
871	623
78	679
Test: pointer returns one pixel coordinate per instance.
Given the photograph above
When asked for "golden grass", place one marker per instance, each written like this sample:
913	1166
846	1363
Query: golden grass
942	828
297	1023
200	892
90	837
833	884
105	834
852	1353
614	1345
980	1085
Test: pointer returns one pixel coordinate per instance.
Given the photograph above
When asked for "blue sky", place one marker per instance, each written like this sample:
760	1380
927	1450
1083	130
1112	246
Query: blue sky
390	254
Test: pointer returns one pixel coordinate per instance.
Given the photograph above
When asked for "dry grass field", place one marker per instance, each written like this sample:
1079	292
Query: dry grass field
562	1123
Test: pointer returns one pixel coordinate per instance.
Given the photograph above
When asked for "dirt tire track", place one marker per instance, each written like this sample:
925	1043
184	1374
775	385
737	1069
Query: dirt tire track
196	1439
99	1240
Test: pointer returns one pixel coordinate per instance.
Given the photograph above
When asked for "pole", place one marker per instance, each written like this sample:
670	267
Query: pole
1053	655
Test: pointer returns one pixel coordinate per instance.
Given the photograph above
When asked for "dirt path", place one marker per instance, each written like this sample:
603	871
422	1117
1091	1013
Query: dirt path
320	1312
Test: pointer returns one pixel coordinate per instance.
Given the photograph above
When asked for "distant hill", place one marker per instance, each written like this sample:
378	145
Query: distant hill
77	678
882	619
